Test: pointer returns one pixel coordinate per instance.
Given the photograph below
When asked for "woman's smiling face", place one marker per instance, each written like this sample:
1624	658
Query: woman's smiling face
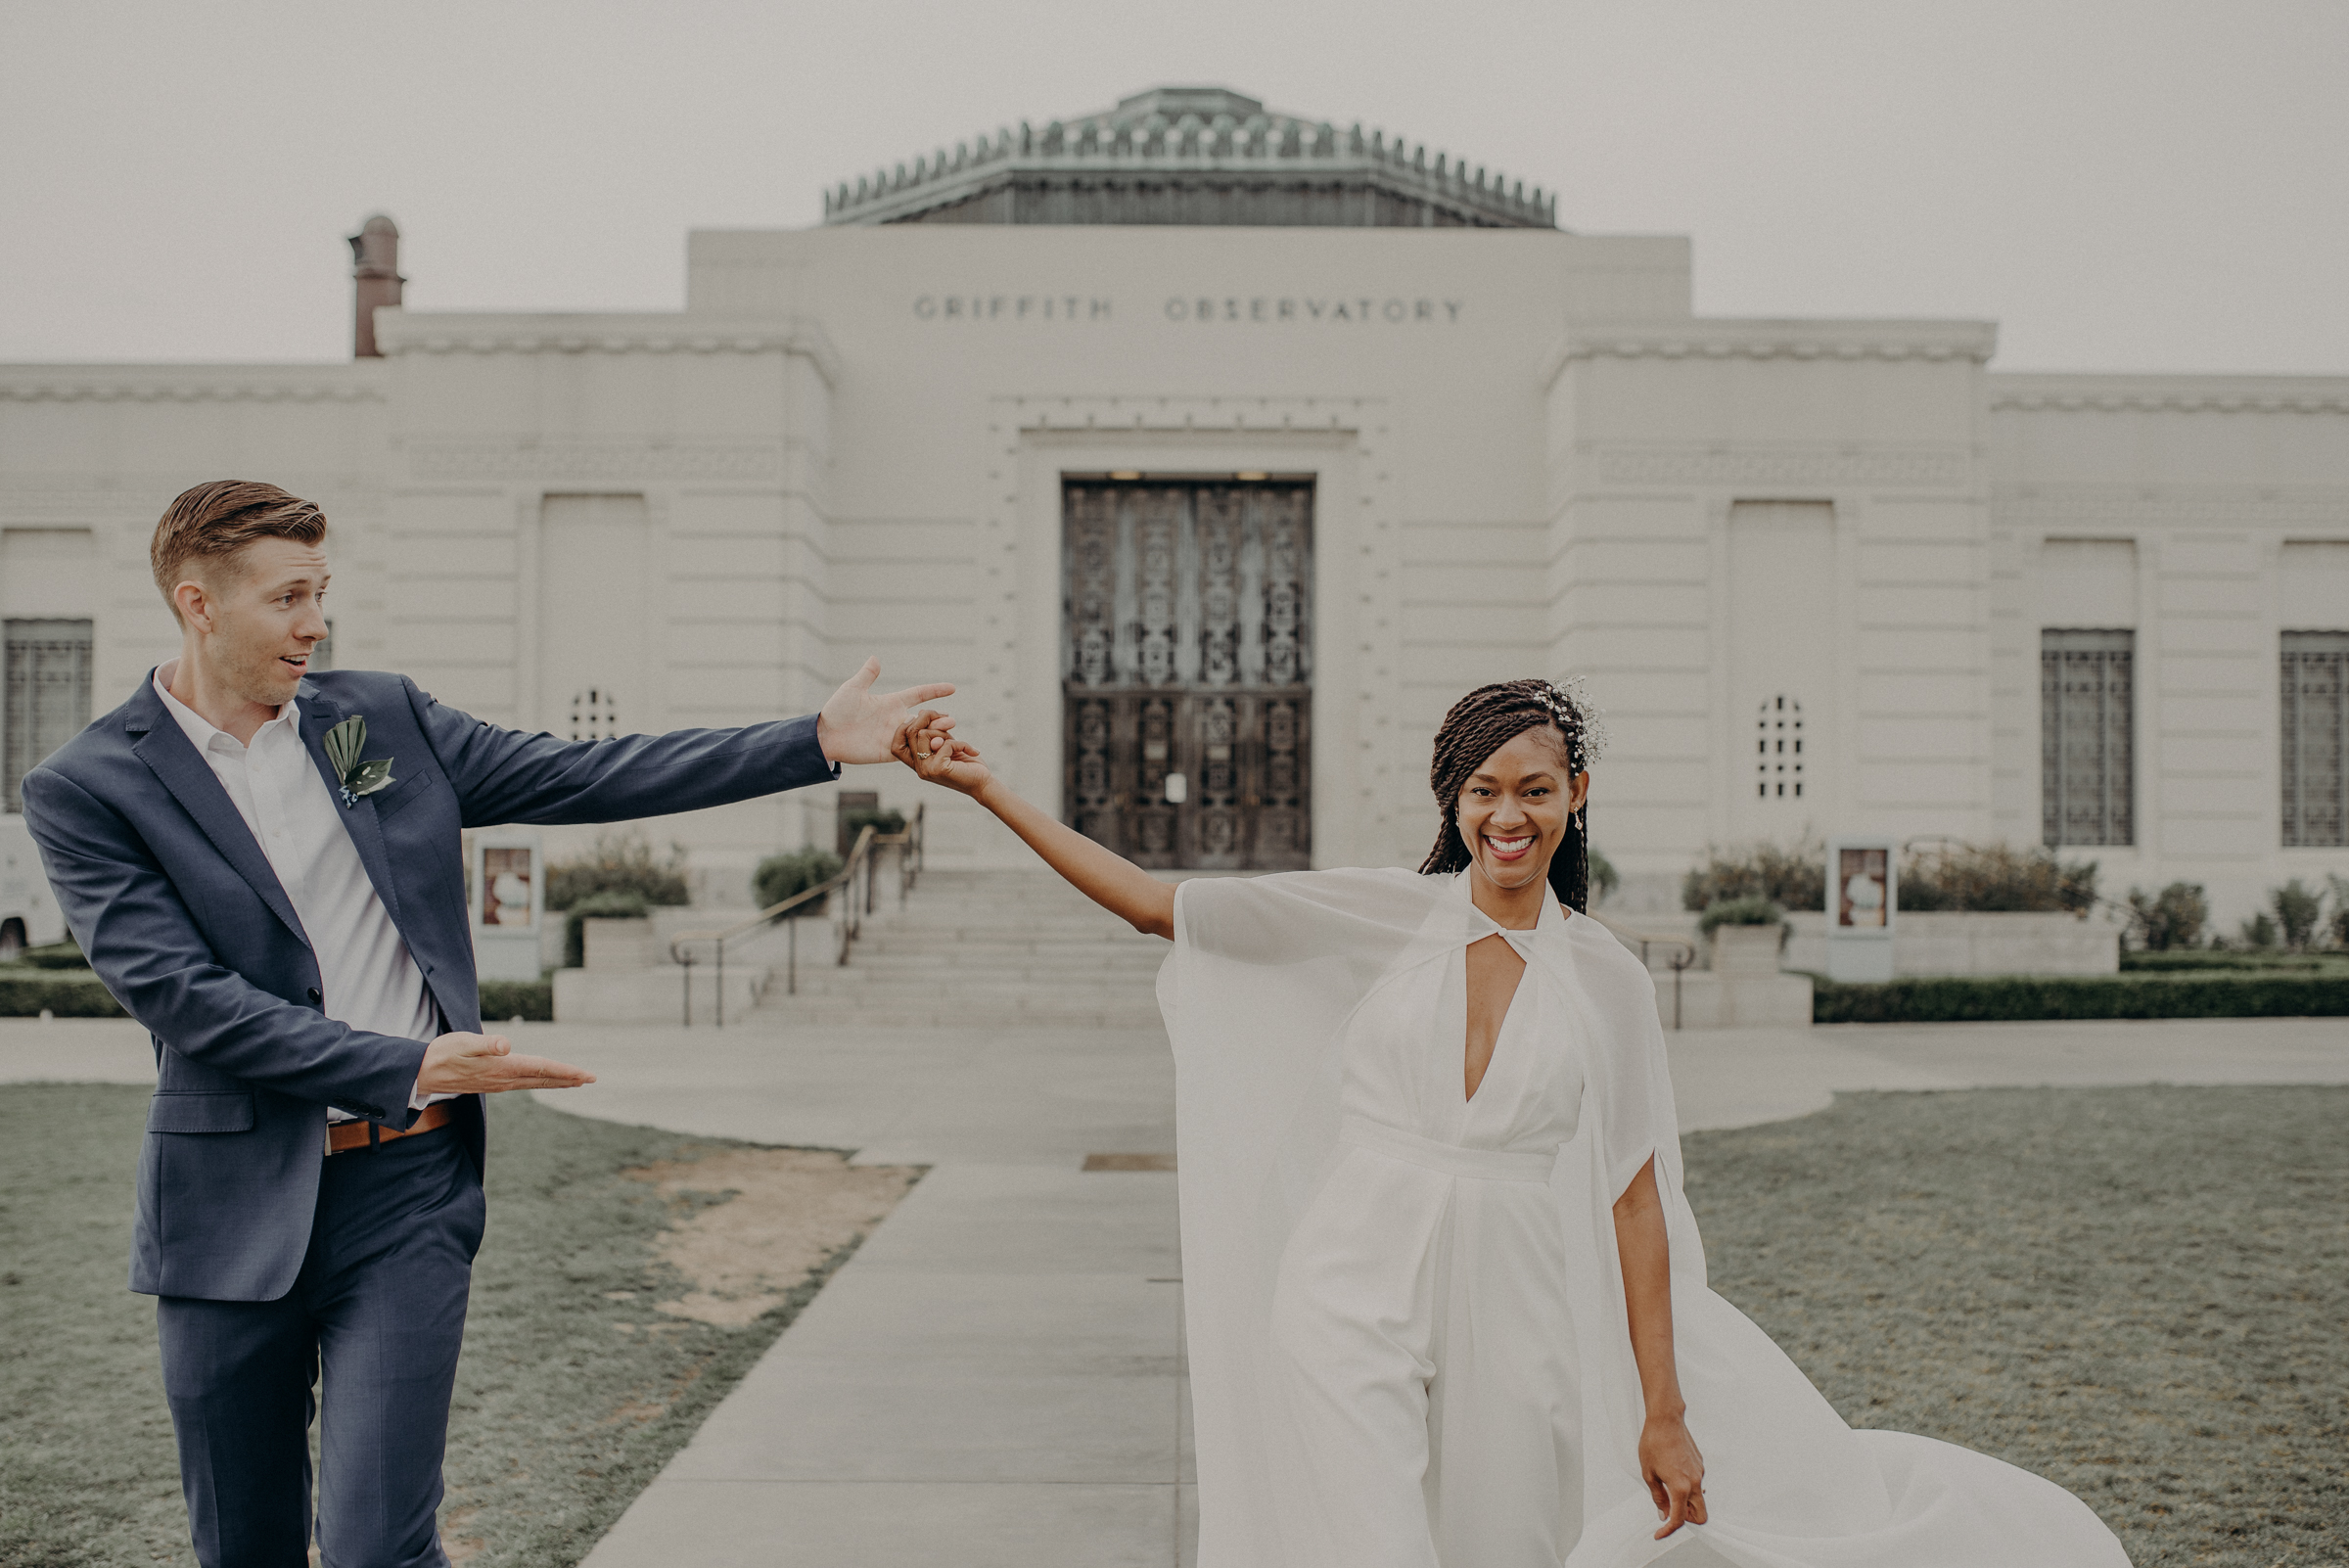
1513	808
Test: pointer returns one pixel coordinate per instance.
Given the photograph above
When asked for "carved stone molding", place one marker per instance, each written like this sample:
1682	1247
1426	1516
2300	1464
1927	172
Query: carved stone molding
1306	415
134	386
399	334
1936	342
593	461
141	498
2073	513
1935	468
2330	397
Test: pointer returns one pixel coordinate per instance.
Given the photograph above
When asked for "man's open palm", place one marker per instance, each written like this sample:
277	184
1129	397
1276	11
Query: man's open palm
857	724
464	1063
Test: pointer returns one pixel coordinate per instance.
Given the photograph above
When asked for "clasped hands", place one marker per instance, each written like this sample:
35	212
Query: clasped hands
925	742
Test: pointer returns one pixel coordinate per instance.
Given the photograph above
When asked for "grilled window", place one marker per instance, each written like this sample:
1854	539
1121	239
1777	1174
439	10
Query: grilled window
48	694
1779	749
2086	737
594	714
2316	738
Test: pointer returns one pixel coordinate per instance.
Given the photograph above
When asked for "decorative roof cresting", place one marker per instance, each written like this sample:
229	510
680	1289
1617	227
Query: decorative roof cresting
1190	155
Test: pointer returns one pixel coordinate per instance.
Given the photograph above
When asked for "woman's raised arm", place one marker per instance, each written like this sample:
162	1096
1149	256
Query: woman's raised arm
1109	879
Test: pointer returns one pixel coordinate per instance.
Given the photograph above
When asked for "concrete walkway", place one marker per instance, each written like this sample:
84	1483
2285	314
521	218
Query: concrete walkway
996	1378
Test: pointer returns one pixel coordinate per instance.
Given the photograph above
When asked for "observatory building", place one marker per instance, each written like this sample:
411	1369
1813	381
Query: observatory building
1213	451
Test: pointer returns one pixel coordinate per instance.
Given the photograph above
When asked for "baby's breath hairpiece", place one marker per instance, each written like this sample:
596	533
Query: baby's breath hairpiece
1577	717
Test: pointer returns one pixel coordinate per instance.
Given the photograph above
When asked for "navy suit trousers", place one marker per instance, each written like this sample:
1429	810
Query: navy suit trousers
379	1307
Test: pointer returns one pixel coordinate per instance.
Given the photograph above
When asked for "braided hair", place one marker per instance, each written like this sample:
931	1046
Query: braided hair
1482	723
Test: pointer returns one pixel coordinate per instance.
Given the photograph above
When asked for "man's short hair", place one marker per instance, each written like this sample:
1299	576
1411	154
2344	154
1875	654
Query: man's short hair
215	520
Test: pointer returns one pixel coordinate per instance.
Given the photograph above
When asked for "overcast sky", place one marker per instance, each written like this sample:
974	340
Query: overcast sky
2120	184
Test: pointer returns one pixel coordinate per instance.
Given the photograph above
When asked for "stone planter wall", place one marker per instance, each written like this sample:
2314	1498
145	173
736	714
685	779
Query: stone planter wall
619	945
1745	949
1973	943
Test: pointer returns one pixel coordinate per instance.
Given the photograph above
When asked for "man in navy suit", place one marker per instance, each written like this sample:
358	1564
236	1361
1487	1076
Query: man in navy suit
285	914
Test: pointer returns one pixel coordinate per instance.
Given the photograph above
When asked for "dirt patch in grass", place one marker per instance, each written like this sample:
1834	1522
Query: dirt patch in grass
577	1384
2138	1293
778	1215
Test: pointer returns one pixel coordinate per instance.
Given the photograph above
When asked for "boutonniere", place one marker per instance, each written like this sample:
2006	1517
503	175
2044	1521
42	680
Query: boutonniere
343	743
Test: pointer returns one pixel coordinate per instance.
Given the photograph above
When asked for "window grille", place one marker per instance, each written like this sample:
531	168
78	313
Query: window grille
594	714
2086	737
2316	738
48	694
1779	748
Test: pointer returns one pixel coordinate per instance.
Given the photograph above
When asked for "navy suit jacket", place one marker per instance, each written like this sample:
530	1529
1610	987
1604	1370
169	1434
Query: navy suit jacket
179	912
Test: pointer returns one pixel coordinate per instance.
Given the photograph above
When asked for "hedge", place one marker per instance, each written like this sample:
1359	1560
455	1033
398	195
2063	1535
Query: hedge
26	993
72	995
505	999
2208	958
1960	999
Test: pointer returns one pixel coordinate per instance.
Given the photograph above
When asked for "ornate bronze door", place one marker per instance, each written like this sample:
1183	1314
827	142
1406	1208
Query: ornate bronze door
1187	671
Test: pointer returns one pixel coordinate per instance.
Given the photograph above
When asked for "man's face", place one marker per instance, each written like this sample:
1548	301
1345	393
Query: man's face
259	613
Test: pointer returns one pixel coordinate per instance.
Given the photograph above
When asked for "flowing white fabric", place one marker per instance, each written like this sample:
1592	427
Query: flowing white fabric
1409	1345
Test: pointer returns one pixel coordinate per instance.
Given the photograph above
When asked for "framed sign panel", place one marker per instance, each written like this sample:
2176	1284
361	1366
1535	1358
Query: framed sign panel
509	903
1863	904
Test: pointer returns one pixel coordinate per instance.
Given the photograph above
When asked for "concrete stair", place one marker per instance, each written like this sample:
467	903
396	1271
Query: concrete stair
992	950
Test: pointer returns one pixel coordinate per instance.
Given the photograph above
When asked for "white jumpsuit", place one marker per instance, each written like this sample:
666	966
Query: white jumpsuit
1420	1319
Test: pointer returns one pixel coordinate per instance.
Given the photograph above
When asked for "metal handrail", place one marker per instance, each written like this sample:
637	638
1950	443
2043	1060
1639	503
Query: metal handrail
863	861
1678	962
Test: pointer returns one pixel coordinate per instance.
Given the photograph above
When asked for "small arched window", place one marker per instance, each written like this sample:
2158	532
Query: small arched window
594	715
1779	748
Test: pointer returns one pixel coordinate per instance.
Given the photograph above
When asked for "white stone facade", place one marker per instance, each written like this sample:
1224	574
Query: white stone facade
1529	457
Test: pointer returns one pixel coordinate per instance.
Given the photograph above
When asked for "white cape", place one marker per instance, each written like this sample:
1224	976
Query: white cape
1264	976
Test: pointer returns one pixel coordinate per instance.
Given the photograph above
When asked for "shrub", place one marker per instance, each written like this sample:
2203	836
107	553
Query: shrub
25	993
1956	998
779	876
2296	910
619	862
853	821
1604	878
1793	879
1995	877
1740	912
2259	931
2169	920
503	1000
629	906
66	954
2339	924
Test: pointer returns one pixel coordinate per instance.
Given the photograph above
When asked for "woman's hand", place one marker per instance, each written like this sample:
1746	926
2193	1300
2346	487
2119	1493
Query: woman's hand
931	751
1126	890
1674	1470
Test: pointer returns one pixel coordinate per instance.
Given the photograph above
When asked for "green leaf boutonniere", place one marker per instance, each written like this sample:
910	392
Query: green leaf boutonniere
343	743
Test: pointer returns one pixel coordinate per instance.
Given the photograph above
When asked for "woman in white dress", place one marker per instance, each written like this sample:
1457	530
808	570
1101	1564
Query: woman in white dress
1446	1301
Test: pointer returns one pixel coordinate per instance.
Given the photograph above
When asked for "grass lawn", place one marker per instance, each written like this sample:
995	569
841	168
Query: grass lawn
576	1387
2136	1292
2140	1293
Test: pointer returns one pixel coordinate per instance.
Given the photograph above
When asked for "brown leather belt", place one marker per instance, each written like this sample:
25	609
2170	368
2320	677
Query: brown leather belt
344	1137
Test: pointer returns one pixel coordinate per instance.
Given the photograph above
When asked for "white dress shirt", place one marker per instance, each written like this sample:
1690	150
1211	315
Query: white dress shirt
365	972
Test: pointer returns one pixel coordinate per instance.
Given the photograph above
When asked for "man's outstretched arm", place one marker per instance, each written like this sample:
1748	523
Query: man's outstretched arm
503	775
